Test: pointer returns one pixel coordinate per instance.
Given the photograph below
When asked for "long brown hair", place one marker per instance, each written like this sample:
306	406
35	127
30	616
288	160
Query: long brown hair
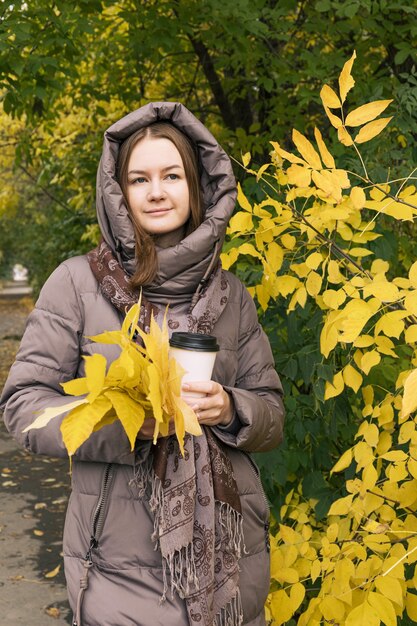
146	256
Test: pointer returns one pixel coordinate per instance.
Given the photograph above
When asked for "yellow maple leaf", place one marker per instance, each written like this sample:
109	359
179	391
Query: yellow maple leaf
76	387
130	413
78	425
95	374
154	395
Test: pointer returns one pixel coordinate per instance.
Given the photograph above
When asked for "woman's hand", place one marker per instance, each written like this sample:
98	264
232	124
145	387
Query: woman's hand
215	408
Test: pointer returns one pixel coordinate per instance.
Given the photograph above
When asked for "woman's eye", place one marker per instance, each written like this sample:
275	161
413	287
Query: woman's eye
172	176
139	179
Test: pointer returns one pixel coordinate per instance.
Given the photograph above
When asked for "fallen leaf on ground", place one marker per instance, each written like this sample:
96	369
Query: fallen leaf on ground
54	572
52	611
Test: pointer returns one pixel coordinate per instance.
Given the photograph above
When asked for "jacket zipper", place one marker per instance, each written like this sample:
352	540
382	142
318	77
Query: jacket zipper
101	507
96	530
258	478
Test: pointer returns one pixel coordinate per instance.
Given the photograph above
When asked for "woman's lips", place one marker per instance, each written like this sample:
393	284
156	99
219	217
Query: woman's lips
157	211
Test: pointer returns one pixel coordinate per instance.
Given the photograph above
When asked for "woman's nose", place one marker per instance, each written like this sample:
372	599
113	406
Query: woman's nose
156	190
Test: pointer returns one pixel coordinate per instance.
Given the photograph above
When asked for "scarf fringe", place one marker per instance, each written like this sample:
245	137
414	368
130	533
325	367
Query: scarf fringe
182	571
142	478
232	613
231	523
180	565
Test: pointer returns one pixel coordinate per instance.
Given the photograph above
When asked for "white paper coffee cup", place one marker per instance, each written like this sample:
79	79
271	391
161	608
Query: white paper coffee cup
196	353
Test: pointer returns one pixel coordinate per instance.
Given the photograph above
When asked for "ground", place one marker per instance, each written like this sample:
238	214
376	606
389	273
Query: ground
34	492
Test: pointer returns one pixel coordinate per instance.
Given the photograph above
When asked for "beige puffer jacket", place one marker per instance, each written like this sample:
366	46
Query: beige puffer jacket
125	582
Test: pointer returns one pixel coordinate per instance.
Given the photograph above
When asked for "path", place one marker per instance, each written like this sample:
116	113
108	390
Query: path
33	496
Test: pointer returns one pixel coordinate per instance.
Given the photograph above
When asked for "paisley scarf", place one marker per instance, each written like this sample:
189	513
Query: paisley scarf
194	498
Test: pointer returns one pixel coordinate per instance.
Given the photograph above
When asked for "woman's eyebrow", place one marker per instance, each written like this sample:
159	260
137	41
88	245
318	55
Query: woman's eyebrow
164	169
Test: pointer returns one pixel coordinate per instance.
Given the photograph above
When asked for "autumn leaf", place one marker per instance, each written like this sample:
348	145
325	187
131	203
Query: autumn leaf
241	222
326	156
306	149
246	159
366	112
344	136
95	373
371	130
47	414
242	199
346	81
330	98
334	388
334	119
78	425
409	403
299	175
54	572
130	413
292	158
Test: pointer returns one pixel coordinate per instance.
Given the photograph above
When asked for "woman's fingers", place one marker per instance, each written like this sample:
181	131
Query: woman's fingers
215	407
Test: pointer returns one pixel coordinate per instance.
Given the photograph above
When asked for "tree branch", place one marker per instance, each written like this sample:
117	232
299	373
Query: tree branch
48	193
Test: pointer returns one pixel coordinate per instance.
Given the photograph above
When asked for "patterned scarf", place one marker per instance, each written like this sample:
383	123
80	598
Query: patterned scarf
194	498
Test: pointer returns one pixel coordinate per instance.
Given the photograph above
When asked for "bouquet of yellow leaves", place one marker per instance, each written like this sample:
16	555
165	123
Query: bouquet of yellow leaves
142	382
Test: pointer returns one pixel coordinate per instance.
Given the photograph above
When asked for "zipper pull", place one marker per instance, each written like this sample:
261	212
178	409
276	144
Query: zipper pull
93	545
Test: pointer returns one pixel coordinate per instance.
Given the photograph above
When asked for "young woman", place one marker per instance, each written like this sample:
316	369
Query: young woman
152	537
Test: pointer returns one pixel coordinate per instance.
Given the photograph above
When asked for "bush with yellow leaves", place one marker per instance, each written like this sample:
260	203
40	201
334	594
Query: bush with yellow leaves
310	240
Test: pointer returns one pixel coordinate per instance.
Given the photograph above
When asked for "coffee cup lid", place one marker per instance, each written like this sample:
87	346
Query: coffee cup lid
194	341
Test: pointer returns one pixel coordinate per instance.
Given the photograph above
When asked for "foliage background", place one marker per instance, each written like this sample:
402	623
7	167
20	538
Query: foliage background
251	71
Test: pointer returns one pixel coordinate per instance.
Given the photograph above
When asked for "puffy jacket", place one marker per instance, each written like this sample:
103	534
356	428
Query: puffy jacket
125	582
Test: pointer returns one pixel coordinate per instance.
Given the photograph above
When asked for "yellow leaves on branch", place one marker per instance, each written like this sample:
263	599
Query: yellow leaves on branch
323	222
143	382
364	114
330	182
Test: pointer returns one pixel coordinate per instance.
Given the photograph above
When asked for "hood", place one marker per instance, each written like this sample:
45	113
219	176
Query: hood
181	267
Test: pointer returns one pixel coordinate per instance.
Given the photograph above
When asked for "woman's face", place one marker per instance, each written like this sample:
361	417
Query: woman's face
157	189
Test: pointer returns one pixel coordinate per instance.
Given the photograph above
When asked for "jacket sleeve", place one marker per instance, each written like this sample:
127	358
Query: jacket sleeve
49	355
257	394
